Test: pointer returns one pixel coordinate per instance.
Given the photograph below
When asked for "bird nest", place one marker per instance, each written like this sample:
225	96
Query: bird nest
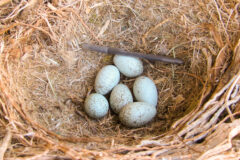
45	77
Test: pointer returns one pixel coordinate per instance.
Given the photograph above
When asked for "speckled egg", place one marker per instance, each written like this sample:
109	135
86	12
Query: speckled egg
96	105
107	78
120	96
137	114
145	90
128	66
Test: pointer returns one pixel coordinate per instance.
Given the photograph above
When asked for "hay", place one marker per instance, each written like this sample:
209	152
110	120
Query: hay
45	77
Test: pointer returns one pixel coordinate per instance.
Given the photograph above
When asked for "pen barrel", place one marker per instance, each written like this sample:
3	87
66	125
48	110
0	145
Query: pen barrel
146	56
96	48
110	50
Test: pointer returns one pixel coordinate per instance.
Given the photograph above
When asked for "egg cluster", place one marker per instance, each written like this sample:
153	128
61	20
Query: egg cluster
131	114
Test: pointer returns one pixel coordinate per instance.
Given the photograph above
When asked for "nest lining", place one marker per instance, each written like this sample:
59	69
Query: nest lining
46	75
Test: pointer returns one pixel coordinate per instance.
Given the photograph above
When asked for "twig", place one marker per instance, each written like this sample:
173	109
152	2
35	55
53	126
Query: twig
5	143
229	92
212	100
18	9
224	146
49	25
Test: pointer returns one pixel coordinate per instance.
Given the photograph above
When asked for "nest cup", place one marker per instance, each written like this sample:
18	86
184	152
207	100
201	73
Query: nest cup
46	76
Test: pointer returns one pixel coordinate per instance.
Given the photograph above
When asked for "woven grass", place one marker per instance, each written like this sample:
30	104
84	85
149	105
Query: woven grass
45	76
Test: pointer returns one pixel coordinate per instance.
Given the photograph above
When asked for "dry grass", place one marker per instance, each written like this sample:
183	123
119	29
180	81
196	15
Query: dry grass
45	77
